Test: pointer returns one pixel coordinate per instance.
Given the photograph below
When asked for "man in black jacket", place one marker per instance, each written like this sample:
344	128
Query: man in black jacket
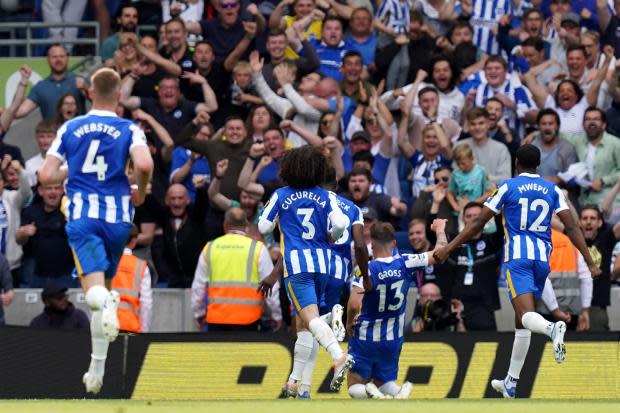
59	312
176	255
419	52
471	274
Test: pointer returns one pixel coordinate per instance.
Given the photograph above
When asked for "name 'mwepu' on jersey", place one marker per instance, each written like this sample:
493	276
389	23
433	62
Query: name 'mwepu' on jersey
96	148
527	203
303	218
383	309
341	263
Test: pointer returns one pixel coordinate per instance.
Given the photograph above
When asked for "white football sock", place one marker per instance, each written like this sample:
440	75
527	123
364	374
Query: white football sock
306	376
390	388
519	351
303	348
323	333
99	344
96	296
537	323
358	391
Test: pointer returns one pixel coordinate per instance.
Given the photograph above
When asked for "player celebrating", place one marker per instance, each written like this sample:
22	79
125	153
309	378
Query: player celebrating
303	210
340	270
527	203
376	314
97	147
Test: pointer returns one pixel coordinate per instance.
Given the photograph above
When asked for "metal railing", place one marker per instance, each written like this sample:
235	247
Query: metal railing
30	41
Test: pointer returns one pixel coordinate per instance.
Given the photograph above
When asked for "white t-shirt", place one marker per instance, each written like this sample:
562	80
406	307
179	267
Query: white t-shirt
32	166
571	121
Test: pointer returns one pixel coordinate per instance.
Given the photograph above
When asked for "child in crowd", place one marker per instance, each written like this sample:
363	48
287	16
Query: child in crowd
469	180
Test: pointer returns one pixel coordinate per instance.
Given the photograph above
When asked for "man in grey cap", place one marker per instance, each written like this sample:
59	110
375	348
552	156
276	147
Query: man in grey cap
570	29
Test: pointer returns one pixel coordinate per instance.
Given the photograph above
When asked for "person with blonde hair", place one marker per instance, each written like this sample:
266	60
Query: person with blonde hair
96	148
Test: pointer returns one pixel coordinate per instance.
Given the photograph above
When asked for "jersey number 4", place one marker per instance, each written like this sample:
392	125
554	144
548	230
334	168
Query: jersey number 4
534	206
95	163
398	296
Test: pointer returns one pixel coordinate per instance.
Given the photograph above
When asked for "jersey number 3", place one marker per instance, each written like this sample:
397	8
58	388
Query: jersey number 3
309	229
95	163
534	206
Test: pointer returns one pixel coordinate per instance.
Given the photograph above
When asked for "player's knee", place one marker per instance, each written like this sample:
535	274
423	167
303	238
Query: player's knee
358	391
95	297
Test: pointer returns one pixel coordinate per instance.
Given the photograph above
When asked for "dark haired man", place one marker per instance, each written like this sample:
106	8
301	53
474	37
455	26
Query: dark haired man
527	203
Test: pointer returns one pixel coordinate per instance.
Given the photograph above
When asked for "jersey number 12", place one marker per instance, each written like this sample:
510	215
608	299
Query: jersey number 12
95	163
534	206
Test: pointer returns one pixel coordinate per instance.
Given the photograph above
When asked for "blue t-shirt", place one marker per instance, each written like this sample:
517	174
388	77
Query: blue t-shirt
270	173
367	49
47	92
330	57
382	317
527	203
200	167
96	148
303	218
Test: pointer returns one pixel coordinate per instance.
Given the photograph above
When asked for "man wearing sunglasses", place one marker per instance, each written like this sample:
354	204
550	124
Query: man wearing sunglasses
233	31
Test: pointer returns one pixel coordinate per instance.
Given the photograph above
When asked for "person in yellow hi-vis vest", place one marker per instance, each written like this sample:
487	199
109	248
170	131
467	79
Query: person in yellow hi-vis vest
227	276
133	282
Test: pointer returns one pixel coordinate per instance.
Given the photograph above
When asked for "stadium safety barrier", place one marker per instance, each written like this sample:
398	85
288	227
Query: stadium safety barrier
50	364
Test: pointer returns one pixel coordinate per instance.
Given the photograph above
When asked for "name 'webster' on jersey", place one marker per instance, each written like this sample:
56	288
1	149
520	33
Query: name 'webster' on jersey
96	148
303	216
528	203
382	317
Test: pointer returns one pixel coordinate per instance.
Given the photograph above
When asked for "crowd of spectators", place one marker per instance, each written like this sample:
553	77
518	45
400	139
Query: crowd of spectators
419	104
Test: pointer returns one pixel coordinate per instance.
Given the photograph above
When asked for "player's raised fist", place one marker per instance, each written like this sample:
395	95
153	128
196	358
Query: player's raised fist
439	225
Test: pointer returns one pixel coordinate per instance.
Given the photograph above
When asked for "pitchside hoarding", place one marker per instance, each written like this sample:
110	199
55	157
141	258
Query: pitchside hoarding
50	364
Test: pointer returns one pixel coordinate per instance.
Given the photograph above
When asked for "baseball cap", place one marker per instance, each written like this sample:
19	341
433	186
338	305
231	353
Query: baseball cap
361	135
53	290
571	17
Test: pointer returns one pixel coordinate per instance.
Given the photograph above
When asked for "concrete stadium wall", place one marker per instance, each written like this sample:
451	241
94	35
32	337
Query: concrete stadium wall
172	310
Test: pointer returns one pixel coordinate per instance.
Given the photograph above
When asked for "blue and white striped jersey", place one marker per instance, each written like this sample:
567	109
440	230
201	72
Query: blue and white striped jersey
96	148
303	217
485	16
341	263
394	14
383	309
516	92
527	203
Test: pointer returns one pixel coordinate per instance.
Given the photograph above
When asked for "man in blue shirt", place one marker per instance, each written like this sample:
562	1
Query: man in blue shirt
331	48
45	94
97	148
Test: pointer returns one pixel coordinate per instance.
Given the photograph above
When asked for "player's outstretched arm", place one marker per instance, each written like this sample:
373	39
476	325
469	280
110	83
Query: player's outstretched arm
440	255
576	236
361	254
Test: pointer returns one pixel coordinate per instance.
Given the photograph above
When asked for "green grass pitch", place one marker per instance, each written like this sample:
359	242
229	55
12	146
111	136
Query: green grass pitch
294	406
